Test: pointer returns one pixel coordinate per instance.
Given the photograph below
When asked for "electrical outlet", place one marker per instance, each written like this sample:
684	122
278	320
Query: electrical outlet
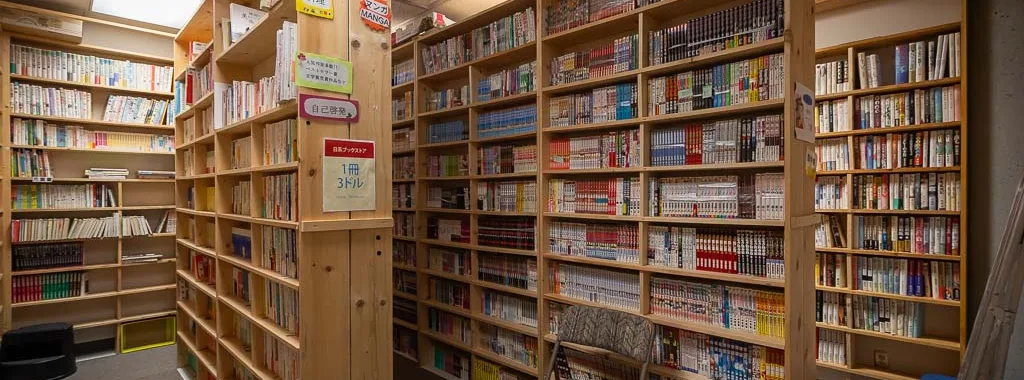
881	359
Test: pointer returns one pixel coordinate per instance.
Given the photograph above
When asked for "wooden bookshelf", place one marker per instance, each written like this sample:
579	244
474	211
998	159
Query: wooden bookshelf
943	336
797	223
341	256
118	291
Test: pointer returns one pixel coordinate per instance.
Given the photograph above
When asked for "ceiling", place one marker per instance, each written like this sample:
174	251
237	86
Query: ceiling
404	10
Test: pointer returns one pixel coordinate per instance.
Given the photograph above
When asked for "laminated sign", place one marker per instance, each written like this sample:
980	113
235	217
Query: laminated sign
318	8
323	73
375	14
349	175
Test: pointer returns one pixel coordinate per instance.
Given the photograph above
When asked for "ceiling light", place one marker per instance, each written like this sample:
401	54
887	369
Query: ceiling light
173	14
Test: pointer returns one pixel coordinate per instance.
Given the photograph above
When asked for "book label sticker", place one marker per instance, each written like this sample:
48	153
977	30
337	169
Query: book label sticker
323	73
375	14
811	163
349	175
318	8
804	112
328	108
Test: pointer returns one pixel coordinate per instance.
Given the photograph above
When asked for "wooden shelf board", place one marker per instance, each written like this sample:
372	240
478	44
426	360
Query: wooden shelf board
512	137
74	121
869	252
574	301
450	111
446	144
510	251
203	287
888	212
632	170
254	46
403	123
736	335
603	27
716	221
115	321
263	323
208	214
60	241
234	348
105	52
450	309
446	178
752	50
58	82
501	360
504	100
438	372
614	124
889	171
203	359
98	180
262	272
113	293
401	88
405	324
446	340
62	210
403	209
196	247
505	288
405	355
404	238
401	152
890	40
504	213
508	325
505	176
892	88
281	112
446	275
403	180
202	103
867	372
717	112
717	167
65	269
206	139
276	168
586	84
924	341
736	278
145	208
89	150
401	294
865	293
595	261
516	54
882	131
446	210
202	322
404	267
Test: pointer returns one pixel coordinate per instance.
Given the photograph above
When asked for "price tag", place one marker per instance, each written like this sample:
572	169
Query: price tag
349	175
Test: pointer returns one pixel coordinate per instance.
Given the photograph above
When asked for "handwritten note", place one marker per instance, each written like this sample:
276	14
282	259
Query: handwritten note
323	73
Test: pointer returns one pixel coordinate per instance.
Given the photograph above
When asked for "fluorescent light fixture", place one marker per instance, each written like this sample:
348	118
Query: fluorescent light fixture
170	13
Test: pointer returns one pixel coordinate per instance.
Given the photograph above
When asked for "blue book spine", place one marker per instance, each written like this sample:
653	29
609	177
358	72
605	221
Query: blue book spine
902	71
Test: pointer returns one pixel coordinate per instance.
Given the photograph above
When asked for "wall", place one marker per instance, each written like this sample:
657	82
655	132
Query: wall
996	152
127	39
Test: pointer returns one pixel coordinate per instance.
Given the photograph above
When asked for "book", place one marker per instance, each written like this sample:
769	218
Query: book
44	256
831	77
89	69
448	360
935	235
611	196
907	191
280	142
507	122
485	370
509	307
140	258
616	56
241	242
830	270
509	344
242	20
926	149
54	196
44	229
405	281
715	357
712	87
241	153
831	308
830	193
508	270
513	81
403	72
403	139
831	116
448	260
747	139
446	229
448	131
403	195
195	48
135	110
448	292
500	35
404	167
447	98
829	233
278	251
887	316
600	105
154	174
833	154
405	225
718	196
31	132
402	107
923	106
615	242
447	165
30	163
831	347
280	200
743	252
135	225
48	286
610	150
507	232
106	173
455	327
726	306
507	196
405	310
506	159
612	287
403	252
907	277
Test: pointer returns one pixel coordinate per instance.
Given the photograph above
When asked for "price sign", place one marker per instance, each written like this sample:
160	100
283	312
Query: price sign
349	175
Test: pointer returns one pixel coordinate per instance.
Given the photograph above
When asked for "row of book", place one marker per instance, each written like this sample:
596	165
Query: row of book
402	107
507	121
52	196
500	35
446	165
405	224
930	105
202	268
135	110
611	196
485	370
747	139
830	193
919	61
616	56
716	358
610	150
280	359
615	288
406	341
746	81
403	72
48	286
833	154
455	327
889	316
448	360
509	344
936	235
562	16
403	167
30	163
403	252
43	256
830	269
280	142
918	278
449	261
741	25
448	292
29	132
403	195
241	153
913	191
448	131
831	347
832	116
579	365
925	149
243	100
89	69
450	230
507	232
599	105
43	229
507	196
506	159
749	196
280	200
758	253
282	306
241	201
448	98
405	310
50	101
615	242
830	308
403	280
758	312
197	84
507	270
832	77
513	81
509	307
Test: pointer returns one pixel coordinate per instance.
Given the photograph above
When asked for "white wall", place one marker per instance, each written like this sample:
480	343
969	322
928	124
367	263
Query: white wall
127	39
880	18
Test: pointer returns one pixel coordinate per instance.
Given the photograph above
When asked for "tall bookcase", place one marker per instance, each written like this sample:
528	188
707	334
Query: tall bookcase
98	292
405	263
336	320
461	246
871	351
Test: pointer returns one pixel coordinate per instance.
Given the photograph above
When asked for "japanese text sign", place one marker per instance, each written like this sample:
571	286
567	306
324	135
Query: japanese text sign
375	14
323	73
318	8
349	175
328	108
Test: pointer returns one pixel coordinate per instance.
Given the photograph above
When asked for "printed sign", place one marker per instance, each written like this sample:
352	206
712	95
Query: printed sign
328	108
375	14
804	100
323	73
318	8
349	175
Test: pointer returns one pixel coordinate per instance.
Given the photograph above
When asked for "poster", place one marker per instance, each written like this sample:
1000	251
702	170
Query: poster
804	113
349	175
328	108
376	14
323	73
318	8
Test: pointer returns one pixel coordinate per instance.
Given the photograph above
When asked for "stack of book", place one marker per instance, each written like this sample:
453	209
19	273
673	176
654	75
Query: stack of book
154	174
760	79
141	258
106	173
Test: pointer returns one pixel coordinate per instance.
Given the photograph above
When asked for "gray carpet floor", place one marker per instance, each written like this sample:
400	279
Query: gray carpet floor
160	363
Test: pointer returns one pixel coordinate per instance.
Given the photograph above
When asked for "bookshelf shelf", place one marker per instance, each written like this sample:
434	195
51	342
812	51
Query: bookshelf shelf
518	136
278	168
263	323
90	49
203	103
202	322
504	213
506	100
487	354
451	309
724	277
57	82
253	47
882	131
506	289
195	247
762	340
282	111
76	121
265	273
593	126
403	123
447	340
203	287
752	50
574	301
87	267
595	261
84	209
716	221
86	297
603	27
115	321
208	214
234	348
446	275
717	167
400	88
924	341
97	180
888	212
868	372
718	112
504	176
890	88
893	170
90	150
591	171
408	296
444	112
204	357
522	329
447	144
585	84
618	218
